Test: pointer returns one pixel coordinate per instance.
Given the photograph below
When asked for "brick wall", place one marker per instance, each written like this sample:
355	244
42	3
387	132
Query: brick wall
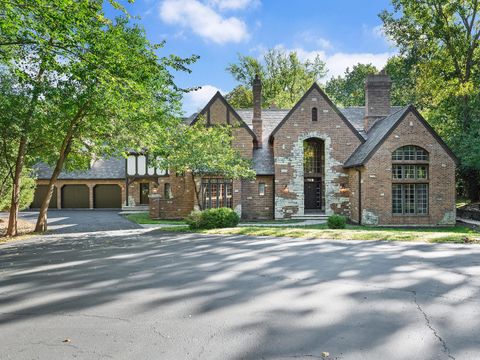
377	179
340	142
181	202
254	205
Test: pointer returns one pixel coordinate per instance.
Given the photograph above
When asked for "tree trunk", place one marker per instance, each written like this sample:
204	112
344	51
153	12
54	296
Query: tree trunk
12	229
41	225
197	192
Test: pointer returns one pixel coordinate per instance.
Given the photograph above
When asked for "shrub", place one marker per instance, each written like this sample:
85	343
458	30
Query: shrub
213	218
336	222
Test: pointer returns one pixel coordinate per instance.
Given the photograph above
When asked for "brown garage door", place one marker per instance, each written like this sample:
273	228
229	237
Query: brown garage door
75	197
107	197
40	193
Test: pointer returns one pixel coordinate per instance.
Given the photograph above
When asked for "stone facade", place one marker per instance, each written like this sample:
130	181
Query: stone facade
340	142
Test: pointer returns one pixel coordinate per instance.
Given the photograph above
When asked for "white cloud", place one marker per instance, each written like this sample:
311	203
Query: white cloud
234	4
196	100
203	20
338	62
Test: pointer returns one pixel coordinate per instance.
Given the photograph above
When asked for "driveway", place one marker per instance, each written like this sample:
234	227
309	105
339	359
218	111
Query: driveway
143	294
80	221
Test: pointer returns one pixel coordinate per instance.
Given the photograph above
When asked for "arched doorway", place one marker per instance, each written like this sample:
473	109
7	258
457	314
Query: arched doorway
314	175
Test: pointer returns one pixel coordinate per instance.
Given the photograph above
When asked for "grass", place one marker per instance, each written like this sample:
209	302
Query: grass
452	234
462	202
144	218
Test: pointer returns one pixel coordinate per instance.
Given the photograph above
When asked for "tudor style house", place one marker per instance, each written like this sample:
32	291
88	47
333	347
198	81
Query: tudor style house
377	165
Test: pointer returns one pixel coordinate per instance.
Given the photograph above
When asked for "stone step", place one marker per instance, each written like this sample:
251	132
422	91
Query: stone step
136	208
310	217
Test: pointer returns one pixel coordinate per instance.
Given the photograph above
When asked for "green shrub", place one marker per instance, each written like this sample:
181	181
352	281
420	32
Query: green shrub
336	222
212	219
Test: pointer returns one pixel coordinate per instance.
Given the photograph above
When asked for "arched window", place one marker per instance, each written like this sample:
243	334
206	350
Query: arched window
314	114
410	181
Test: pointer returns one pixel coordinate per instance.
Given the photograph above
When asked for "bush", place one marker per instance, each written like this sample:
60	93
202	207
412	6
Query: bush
212	219
336	222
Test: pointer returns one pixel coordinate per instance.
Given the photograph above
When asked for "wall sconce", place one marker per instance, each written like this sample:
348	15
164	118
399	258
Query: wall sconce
285	189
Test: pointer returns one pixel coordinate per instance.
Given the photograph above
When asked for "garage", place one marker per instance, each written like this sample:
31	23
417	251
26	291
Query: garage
75	197
40	193
107	197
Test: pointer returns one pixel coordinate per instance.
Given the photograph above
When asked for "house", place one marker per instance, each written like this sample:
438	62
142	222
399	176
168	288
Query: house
378	164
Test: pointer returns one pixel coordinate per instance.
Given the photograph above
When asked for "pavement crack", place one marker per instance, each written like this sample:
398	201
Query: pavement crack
445	348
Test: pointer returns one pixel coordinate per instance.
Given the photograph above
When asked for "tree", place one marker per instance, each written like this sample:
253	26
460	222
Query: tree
284	76
443	38
349	90
199	151
89	84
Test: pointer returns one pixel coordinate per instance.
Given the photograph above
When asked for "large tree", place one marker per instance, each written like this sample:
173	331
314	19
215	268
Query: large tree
91	85
444	37
200	150
284	76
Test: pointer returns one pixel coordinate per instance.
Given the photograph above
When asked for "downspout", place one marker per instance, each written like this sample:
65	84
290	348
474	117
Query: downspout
359	196
126	183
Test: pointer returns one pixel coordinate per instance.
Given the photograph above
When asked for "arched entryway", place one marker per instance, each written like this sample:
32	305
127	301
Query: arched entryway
314	175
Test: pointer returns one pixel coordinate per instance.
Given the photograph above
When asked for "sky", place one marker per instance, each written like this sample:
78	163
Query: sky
342	32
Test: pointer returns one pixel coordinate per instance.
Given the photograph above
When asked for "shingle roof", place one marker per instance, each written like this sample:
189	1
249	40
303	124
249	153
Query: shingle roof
111	168
356	115
375	136
263	162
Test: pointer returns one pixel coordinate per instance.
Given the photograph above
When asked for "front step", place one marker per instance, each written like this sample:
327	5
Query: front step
310	217
136	208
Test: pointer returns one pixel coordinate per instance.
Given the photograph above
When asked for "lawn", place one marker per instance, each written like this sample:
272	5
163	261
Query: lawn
144	218
453	234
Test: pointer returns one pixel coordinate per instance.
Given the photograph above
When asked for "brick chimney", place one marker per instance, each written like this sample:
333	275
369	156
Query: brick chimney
377	98
257	109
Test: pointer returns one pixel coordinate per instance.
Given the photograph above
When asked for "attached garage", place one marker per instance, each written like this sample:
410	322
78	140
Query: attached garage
107	197
75	197
39	195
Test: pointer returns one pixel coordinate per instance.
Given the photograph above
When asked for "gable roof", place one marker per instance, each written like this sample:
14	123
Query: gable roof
229	107
329	102
380	132
356	116
109	168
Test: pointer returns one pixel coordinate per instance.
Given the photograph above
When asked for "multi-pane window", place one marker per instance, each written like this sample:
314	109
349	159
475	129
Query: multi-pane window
410	153
410	198
216	193
261	189
313	157
417	172
314	114
167	191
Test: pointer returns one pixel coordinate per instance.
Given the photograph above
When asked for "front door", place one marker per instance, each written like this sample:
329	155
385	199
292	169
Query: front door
313	193
144	191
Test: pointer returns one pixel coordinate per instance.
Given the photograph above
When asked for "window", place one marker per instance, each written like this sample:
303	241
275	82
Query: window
314	114
410	198
313	157
217	193
167	191
416	172
410	153
261	189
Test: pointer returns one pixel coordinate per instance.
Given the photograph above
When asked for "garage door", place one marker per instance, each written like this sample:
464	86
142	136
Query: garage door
75	197
107	196
40	193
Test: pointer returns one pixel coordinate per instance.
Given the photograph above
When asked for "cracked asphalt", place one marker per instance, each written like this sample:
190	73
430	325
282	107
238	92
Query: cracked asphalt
145	294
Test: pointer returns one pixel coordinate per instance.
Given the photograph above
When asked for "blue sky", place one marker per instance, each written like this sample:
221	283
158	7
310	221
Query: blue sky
342	32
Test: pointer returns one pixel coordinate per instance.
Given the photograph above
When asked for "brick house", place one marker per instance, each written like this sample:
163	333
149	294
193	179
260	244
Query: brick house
378	164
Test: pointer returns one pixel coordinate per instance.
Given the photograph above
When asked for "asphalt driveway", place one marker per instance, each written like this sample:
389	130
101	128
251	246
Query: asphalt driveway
80	221
143	294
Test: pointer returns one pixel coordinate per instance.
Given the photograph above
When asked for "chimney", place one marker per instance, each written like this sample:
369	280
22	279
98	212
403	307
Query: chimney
257	109
377	98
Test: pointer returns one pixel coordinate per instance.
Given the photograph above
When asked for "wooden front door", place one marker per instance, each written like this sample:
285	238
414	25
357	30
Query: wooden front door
144	191
313	193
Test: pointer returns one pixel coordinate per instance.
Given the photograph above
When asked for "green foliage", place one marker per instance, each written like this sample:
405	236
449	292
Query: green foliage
336	222
349	90
27	191
284	76
442	38
213	219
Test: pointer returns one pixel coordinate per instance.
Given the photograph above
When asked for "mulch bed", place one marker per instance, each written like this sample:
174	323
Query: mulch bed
469	211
